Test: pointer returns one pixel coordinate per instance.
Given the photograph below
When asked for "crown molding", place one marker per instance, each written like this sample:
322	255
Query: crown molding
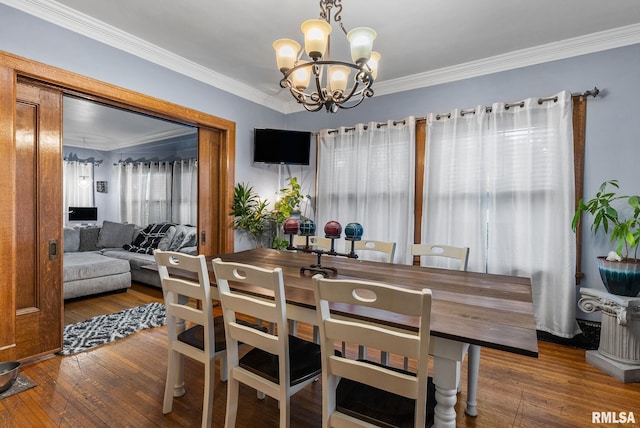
591	43
97	142
75	21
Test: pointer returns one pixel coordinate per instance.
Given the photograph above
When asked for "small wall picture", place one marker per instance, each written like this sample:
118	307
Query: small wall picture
101	186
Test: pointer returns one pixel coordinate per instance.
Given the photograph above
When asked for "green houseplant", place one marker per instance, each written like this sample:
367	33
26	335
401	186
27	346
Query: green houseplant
620	270
287	205
249	213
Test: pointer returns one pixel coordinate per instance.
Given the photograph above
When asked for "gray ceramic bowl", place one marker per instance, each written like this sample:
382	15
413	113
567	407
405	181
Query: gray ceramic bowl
8	374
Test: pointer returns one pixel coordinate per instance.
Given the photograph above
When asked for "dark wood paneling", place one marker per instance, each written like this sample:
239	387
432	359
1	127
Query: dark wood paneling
7	214
38	145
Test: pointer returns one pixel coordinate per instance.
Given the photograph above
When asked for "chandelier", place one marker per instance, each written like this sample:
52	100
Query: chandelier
331	87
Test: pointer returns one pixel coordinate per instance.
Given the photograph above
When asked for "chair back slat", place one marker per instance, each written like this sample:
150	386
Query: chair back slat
259	308
383	339
253	337
437	250
388	248
373	295
378	377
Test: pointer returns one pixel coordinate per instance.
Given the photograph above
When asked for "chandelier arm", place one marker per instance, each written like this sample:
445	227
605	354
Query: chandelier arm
344	107
319	88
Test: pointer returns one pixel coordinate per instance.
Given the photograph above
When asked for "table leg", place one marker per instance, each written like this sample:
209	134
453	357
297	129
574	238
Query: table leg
446	379
472	380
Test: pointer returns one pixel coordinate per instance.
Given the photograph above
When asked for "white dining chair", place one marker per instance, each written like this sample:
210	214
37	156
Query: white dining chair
387	248
204	341
358	392
280	364
458	255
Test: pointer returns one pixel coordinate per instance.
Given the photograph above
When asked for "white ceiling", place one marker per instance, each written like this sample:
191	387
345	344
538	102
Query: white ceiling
227	43
91	125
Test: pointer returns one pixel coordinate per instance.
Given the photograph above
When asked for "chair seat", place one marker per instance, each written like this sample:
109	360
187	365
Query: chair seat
194	336
304	357
380	407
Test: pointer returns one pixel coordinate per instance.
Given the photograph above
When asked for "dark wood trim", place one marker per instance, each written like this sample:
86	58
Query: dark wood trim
579	125
421	147
8	214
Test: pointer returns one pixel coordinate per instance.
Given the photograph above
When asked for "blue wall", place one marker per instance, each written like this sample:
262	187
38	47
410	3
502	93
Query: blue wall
611	146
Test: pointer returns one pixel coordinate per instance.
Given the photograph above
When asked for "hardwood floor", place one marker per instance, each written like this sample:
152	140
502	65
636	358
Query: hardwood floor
122	383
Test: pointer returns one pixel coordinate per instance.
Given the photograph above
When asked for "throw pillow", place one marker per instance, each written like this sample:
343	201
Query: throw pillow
89	238
71	239
178	237
190	238
149	238
115	235
166	239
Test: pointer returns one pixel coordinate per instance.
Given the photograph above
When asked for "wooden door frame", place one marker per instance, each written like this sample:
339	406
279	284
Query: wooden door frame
216	142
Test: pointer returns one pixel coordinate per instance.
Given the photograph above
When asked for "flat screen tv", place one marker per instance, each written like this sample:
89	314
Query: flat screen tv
281	146
83	214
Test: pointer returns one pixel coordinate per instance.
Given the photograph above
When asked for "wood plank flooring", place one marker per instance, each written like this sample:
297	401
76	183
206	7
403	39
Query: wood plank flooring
121	385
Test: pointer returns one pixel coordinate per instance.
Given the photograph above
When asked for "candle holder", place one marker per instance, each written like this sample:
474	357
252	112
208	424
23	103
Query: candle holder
332	230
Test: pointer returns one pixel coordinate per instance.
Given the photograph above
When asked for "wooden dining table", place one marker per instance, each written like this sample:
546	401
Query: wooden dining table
493	311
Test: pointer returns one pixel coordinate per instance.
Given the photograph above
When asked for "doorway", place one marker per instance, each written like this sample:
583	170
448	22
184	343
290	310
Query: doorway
216	153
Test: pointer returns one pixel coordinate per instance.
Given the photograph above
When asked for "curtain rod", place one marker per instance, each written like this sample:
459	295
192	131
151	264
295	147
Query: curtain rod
149	162
591	92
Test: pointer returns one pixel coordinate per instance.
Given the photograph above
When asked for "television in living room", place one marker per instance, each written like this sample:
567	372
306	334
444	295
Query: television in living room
85	214
281	146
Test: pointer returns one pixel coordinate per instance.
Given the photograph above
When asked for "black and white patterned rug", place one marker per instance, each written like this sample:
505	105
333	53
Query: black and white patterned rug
103	329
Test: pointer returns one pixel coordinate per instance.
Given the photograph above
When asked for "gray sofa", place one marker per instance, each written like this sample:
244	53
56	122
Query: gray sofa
108	258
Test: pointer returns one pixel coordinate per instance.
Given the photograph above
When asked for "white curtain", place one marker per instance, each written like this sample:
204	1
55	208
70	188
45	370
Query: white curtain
184	210
367	175
77	184
158	192
502	183
132	182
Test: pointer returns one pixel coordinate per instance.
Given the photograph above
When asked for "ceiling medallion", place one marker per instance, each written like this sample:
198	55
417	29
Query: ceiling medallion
331	87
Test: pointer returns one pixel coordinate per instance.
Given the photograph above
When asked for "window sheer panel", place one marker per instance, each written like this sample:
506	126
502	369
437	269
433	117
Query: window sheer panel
454	203
159	192
367	175
77	184
502	183
133	188
185	192
532	192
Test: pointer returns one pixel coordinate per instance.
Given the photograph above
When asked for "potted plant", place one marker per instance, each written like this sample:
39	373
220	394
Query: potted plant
250	213
620	270
287	206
